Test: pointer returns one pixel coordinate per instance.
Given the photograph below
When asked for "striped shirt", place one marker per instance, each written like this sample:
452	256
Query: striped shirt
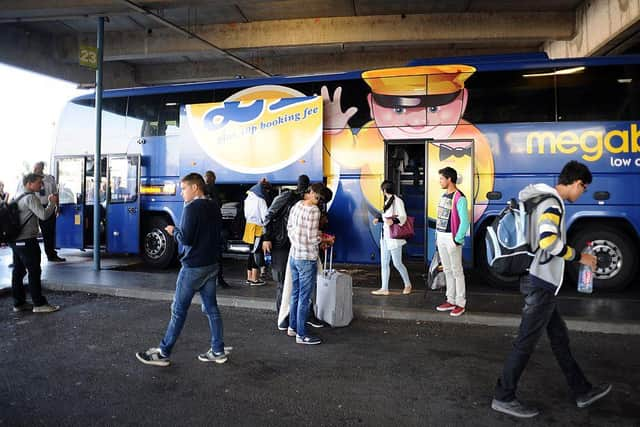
303	229
549	235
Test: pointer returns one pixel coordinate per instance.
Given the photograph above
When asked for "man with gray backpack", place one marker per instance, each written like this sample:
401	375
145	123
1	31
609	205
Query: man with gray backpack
540	287
23	240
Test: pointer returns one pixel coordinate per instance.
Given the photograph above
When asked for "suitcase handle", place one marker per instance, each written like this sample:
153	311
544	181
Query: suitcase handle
324	266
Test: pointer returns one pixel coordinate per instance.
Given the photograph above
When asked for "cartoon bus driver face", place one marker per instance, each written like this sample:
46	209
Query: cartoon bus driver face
425	102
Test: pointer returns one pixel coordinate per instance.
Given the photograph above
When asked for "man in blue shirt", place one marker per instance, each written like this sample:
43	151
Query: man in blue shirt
199	237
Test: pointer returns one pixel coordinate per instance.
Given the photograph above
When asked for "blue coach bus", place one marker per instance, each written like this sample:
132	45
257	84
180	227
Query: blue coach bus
501	121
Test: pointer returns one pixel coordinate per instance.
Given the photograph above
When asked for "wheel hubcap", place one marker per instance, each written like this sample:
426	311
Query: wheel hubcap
155	243
609	259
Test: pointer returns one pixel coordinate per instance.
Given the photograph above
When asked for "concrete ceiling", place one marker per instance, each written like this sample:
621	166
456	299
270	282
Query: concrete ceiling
163	41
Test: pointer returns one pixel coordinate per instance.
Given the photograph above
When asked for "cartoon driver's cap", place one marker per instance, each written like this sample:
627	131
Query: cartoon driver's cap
422	86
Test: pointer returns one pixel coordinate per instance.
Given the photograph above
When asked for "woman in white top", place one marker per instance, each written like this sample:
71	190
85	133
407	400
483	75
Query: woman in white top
255	211
391	249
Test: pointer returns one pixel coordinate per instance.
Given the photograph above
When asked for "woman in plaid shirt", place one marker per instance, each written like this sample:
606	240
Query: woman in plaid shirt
304	233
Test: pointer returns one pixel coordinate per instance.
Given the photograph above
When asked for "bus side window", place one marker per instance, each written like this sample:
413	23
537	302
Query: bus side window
143	116
511	96
169	121
600	93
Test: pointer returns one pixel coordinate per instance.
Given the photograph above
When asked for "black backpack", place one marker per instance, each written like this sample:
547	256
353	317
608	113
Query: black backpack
508	239
10	225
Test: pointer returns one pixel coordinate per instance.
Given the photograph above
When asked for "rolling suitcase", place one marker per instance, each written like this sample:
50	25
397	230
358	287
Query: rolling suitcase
334	295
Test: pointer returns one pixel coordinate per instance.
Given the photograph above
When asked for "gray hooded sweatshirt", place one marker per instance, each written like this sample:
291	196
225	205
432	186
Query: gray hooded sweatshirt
549	234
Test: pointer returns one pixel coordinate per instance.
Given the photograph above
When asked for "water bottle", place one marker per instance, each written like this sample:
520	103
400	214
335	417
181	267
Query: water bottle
267	259
585	275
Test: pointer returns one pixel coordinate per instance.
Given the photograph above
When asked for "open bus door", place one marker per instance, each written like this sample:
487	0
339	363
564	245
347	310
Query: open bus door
123	204
413	167
404	165
70	219
458	154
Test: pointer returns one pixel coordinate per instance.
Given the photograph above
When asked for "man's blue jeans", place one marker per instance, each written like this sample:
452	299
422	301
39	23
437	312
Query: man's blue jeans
192	280
303	274
540	314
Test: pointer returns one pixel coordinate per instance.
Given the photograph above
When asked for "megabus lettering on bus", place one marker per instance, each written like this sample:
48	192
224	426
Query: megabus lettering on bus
591	144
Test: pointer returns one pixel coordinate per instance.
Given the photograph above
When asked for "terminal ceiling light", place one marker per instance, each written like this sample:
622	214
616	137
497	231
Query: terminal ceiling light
561	72
627	81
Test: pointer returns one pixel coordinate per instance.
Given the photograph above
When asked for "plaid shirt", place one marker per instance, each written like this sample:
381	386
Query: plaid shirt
304	231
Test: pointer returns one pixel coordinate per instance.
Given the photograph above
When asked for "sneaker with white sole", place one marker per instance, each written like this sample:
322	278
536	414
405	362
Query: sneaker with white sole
446	306
153	357
47	308
458	311
210	356
282	326
593	395
22	307
308	340
314	322
291	332
514	408
258	282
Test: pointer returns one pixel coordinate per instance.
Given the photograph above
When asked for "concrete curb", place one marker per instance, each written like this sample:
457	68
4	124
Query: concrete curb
360	310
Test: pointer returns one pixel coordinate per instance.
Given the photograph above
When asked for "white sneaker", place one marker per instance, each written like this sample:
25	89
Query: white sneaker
47	308
153	357
210	356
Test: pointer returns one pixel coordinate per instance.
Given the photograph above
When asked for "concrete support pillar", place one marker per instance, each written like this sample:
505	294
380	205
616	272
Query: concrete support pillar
600	26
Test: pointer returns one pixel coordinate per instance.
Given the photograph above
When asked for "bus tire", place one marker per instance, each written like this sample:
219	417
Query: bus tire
615	251
158	247
488	276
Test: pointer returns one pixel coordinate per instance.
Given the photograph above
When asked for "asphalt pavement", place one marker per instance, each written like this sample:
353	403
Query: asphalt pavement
77	367
605	312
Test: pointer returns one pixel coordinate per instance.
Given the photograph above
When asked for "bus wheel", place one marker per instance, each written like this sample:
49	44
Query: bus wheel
485	274
158	248
615	251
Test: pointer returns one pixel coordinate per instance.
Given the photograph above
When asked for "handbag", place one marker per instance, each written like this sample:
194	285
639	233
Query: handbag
404	231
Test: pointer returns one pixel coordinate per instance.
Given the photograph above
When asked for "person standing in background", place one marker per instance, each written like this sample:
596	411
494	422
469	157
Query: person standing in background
255	212
48	226
4	197
211	192
451	227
